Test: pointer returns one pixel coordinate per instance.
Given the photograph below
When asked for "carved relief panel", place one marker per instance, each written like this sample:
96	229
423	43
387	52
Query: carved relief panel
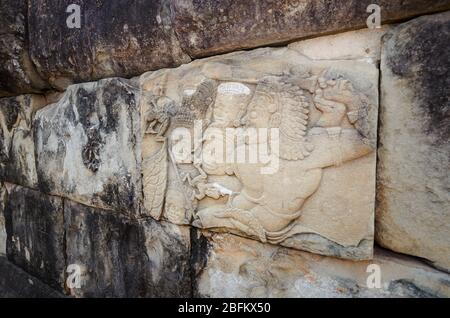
266	144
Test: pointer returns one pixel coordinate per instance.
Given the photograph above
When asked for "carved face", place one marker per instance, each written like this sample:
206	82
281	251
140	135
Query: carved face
260	111
227	109
231	99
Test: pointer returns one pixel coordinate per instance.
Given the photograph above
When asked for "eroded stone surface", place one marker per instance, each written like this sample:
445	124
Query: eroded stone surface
209	27
123	258
35	229
16	283
17	155
123	39
238	267
413	214
87	145
364	44
2	220
150	35
17	72
315	189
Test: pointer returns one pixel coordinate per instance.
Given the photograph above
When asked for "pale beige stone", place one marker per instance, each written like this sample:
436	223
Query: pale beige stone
364	44
239	267
316	191
413	181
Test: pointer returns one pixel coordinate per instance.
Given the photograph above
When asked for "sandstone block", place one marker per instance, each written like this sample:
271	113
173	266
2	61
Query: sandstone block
238	267
16	283
269	144
123	258
2	220
150	35
413	214
115	38
210	27
17	156
35	229
17	73
87	146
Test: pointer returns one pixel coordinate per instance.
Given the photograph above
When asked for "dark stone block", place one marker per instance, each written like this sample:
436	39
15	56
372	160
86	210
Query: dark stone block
17	72
116	38
16	283
208	27
424	61
120	257
35	234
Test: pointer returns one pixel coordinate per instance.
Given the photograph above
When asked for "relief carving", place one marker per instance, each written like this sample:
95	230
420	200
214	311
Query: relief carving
316	115
268	205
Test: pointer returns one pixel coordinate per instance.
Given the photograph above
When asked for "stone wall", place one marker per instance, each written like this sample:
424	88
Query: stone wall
149	156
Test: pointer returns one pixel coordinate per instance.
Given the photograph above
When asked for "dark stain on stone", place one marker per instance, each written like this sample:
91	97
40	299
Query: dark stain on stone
10	109
91	151
114	93
198	257
85	102
408	289
68	112
119	193
420	55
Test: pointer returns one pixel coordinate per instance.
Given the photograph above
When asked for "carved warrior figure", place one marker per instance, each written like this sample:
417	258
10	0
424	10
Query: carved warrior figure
161	110
268	204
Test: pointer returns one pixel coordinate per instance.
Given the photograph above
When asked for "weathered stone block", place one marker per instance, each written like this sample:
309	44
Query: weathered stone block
17	73
413	210
17	156
2	220
150	35
238	267
123	258
35	229
116	38
16	283
305	175
87	146
362	44
209	27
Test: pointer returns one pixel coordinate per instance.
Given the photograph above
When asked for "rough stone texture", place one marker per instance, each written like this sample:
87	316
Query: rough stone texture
362	45
116	38
2	220
123	258
17	72
35	229
238	267
87	146
17	155
16	283
207	27
128	38
319	195
413	210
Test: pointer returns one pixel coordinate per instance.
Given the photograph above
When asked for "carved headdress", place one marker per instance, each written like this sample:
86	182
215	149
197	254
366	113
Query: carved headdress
289	108
195	102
